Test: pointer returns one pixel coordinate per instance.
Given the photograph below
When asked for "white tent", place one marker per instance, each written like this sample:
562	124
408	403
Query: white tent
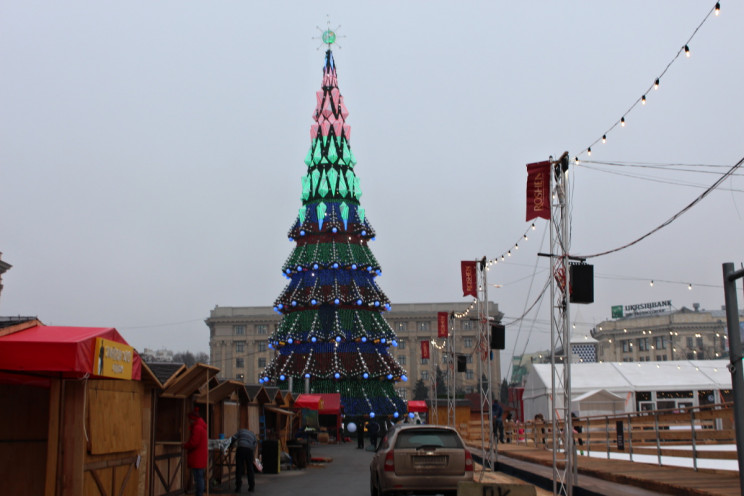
624	380
597	402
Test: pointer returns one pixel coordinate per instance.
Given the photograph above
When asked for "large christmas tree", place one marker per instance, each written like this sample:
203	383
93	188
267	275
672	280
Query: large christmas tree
333	334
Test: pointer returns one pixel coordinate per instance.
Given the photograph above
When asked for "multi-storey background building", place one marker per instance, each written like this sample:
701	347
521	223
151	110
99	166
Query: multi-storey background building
238	342
668	335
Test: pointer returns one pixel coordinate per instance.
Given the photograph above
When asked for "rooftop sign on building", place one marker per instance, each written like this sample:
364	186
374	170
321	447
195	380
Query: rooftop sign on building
638	309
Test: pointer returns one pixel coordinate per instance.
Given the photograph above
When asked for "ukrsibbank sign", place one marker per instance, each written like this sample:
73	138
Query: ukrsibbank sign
650	308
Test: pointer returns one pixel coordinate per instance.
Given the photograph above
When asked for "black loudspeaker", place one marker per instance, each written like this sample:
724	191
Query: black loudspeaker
462	363
498	337
270	456
581	277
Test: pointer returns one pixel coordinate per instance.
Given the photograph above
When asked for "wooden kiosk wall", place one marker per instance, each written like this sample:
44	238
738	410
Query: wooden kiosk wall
84	437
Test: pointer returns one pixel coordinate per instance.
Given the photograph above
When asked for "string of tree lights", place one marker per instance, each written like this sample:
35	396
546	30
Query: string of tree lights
685	48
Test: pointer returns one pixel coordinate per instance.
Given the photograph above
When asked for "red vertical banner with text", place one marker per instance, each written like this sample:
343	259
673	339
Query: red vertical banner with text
538	190
442	324
469	279
424	349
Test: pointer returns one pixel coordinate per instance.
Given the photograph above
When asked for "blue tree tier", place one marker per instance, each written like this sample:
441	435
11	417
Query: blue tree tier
333	334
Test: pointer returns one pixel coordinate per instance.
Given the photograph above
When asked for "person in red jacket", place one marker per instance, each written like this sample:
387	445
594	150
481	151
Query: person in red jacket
197	452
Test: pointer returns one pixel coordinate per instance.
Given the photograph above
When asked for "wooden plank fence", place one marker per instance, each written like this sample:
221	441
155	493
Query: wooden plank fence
691	432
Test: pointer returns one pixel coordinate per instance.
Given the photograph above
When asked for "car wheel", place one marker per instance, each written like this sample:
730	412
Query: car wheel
372	489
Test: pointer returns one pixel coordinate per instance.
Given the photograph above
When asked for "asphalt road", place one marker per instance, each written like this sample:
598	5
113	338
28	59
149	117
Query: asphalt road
346	475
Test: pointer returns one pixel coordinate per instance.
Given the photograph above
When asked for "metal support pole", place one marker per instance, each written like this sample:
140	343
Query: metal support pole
735	366
451	374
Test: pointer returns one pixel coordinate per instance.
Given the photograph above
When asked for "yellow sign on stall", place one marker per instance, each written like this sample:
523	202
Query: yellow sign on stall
112	359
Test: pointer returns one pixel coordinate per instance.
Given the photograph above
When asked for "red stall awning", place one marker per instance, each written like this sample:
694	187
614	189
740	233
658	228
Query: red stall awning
309	401
331	404
417	406
68	351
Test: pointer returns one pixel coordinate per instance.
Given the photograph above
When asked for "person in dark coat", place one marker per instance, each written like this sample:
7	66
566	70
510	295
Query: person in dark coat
498	421
360	433
374	430
246	442
197	450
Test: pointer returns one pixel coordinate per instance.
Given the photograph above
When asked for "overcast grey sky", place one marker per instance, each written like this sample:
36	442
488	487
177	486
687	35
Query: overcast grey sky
151	152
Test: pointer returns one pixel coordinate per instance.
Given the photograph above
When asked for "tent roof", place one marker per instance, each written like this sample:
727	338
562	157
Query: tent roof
417	406
57	350
331	404
635	376
309	401
599	394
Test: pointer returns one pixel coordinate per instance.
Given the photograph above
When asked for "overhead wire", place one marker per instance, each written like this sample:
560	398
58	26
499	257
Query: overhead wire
672	218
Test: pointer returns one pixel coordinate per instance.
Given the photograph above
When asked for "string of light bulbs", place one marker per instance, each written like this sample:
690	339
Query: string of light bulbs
504	255
653	87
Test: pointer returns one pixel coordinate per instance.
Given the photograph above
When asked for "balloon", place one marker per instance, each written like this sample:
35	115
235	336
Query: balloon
351	427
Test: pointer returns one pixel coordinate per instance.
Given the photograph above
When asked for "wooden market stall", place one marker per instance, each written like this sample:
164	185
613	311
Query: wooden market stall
80	412
226	399
257	398
171	428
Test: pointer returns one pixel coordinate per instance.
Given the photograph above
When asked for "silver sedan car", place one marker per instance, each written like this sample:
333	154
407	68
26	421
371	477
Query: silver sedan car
420	459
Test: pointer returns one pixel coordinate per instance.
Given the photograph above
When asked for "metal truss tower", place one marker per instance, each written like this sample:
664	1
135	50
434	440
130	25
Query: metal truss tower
451	364
564	458
483	352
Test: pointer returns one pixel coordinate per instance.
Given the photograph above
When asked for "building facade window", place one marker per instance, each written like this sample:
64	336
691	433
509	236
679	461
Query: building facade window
262	346
467	342
402	359
467	325
239	330
403	393
401	326
642	344
240	346
239	363
660	342
261	362
423	326
424	361
402	344
262	328
425	375
690	342
469	374
626	345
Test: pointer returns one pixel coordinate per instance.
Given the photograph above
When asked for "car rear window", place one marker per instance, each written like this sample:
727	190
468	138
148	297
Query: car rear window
427	437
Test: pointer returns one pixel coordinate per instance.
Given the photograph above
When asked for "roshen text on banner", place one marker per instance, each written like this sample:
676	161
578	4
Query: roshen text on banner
442	324
469	279
538	190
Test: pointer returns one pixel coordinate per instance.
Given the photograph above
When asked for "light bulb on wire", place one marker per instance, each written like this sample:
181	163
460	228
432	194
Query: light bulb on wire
687	51
656	84
643	100
622	121
718	8
589	151
604	138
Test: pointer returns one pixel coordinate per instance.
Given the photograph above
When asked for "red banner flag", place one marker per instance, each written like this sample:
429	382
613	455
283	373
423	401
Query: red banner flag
424	349
538	190
442	324
469	279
